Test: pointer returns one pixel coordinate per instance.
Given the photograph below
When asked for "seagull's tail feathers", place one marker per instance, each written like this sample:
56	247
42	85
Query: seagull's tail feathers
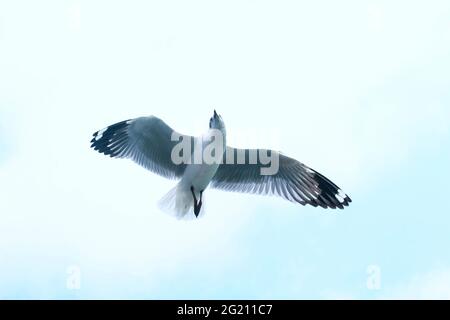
179	203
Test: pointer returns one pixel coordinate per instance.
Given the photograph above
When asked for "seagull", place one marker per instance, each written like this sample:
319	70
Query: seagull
151	143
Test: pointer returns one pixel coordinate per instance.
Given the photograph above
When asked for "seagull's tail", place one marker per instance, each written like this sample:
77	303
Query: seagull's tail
178	202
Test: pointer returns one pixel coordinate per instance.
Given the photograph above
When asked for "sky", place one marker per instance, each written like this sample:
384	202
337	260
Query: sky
358	90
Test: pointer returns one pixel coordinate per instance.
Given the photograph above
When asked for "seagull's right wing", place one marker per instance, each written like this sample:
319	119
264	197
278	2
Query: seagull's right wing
294	181
146	140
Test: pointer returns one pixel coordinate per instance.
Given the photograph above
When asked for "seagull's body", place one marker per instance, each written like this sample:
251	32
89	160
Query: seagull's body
150	142
200	175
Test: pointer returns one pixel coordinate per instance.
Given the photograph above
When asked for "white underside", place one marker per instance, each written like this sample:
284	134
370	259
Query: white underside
179	201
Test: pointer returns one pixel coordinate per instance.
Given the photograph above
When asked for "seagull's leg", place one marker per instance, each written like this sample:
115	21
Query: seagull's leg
193	194
200	202
197	206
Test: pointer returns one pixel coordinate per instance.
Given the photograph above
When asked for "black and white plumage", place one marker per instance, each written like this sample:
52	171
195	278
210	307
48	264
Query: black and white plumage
148	142
145	140
294	182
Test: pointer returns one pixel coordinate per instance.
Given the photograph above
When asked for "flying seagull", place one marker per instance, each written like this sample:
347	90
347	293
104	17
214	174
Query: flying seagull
151	143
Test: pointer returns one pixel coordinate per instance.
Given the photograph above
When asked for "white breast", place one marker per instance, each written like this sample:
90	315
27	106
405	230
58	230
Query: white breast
200	175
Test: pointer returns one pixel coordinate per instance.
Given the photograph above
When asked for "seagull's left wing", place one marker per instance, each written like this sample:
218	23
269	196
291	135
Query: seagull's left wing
146	140
294	181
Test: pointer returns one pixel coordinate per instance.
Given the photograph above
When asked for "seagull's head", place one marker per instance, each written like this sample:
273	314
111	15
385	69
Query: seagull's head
216	122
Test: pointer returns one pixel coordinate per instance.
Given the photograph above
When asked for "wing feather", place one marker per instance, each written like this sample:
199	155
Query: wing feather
294	181
146	140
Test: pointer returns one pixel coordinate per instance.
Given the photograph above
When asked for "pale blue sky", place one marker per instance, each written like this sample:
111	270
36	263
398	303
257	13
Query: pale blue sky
358	90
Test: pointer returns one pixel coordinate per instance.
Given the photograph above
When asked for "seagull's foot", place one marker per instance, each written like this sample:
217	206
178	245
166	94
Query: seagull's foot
197	209
197	206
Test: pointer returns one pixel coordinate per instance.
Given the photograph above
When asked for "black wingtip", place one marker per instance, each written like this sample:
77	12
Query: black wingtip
107	140
331	196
